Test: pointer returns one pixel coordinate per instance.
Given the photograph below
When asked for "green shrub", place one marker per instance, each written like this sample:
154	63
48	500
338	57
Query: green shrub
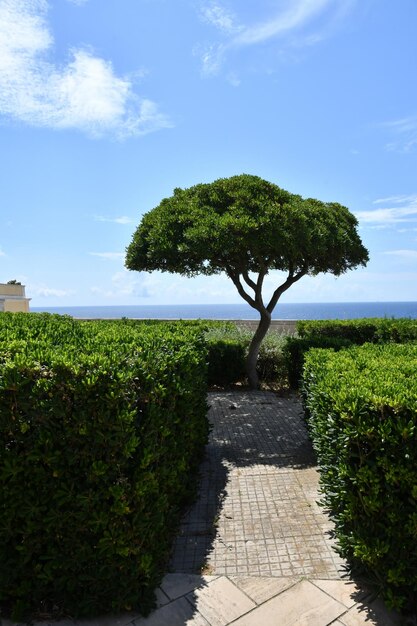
228	346
338	334
362	414
226	362
296	348
359	331
102	426
271	364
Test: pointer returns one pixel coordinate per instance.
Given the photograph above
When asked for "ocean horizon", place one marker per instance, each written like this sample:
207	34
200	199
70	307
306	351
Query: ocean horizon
284	311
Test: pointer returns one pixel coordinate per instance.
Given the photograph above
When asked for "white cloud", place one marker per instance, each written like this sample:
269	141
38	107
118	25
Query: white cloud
404	210
291	20
115	220
84	94
296	16
395	200
218	16
110	256
409	255
405	134
126	285
41	291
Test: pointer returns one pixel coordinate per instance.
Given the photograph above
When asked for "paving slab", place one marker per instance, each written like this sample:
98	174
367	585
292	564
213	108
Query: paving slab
262	589
177	613
301	605
221	602
345	591
373	614
175	585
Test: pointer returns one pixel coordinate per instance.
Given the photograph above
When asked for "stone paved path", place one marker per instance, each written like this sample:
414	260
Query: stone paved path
257	513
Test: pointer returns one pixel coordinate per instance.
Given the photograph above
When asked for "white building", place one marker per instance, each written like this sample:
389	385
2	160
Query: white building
13	298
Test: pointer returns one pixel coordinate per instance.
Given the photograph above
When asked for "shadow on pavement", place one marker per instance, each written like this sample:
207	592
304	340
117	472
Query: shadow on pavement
251	429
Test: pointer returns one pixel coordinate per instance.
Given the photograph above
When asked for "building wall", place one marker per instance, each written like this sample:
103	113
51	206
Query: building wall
16	306
12	290
12	298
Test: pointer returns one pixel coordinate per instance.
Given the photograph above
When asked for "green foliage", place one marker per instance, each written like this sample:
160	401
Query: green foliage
376	330
226	362
228	346
102	425
362	414
339	334
296	348
271	364
245	224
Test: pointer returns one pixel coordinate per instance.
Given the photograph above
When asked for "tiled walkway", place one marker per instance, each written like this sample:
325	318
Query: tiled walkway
255	548
257	512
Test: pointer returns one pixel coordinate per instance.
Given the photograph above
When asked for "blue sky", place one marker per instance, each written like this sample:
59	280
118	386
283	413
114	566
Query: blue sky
107	105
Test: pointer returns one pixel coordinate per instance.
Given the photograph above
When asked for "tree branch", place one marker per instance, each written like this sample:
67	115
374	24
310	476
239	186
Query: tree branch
249	281
258	292
236	281
260	281
291	279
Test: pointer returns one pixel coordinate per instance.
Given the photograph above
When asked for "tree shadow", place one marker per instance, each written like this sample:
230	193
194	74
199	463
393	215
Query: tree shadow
250	429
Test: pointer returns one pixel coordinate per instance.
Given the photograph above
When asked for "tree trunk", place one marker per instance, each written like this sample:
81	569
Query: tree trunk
254	347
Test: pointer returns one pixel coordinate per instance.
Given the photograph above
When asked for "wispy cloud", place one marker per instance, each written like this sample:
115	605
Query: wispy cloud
399	209
295	17
109	256
288	22
115	220
220	17
395	199
42	291
85	94
2	253
409	255
124	284
404	132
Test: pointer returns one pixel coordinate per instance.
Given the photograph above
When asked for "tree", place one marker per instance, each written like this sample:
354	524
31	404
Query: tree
246	226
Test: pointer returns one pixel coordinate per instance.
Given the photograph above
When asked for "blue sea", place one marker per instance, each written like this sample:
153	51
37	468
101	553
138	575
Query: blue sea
309	311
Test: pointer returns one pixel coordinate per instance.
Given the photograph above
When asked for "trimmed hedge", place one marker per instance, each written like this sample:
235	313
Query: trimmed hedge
361	406
359	331
227	345
226	362
338	334
102	426
296	348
